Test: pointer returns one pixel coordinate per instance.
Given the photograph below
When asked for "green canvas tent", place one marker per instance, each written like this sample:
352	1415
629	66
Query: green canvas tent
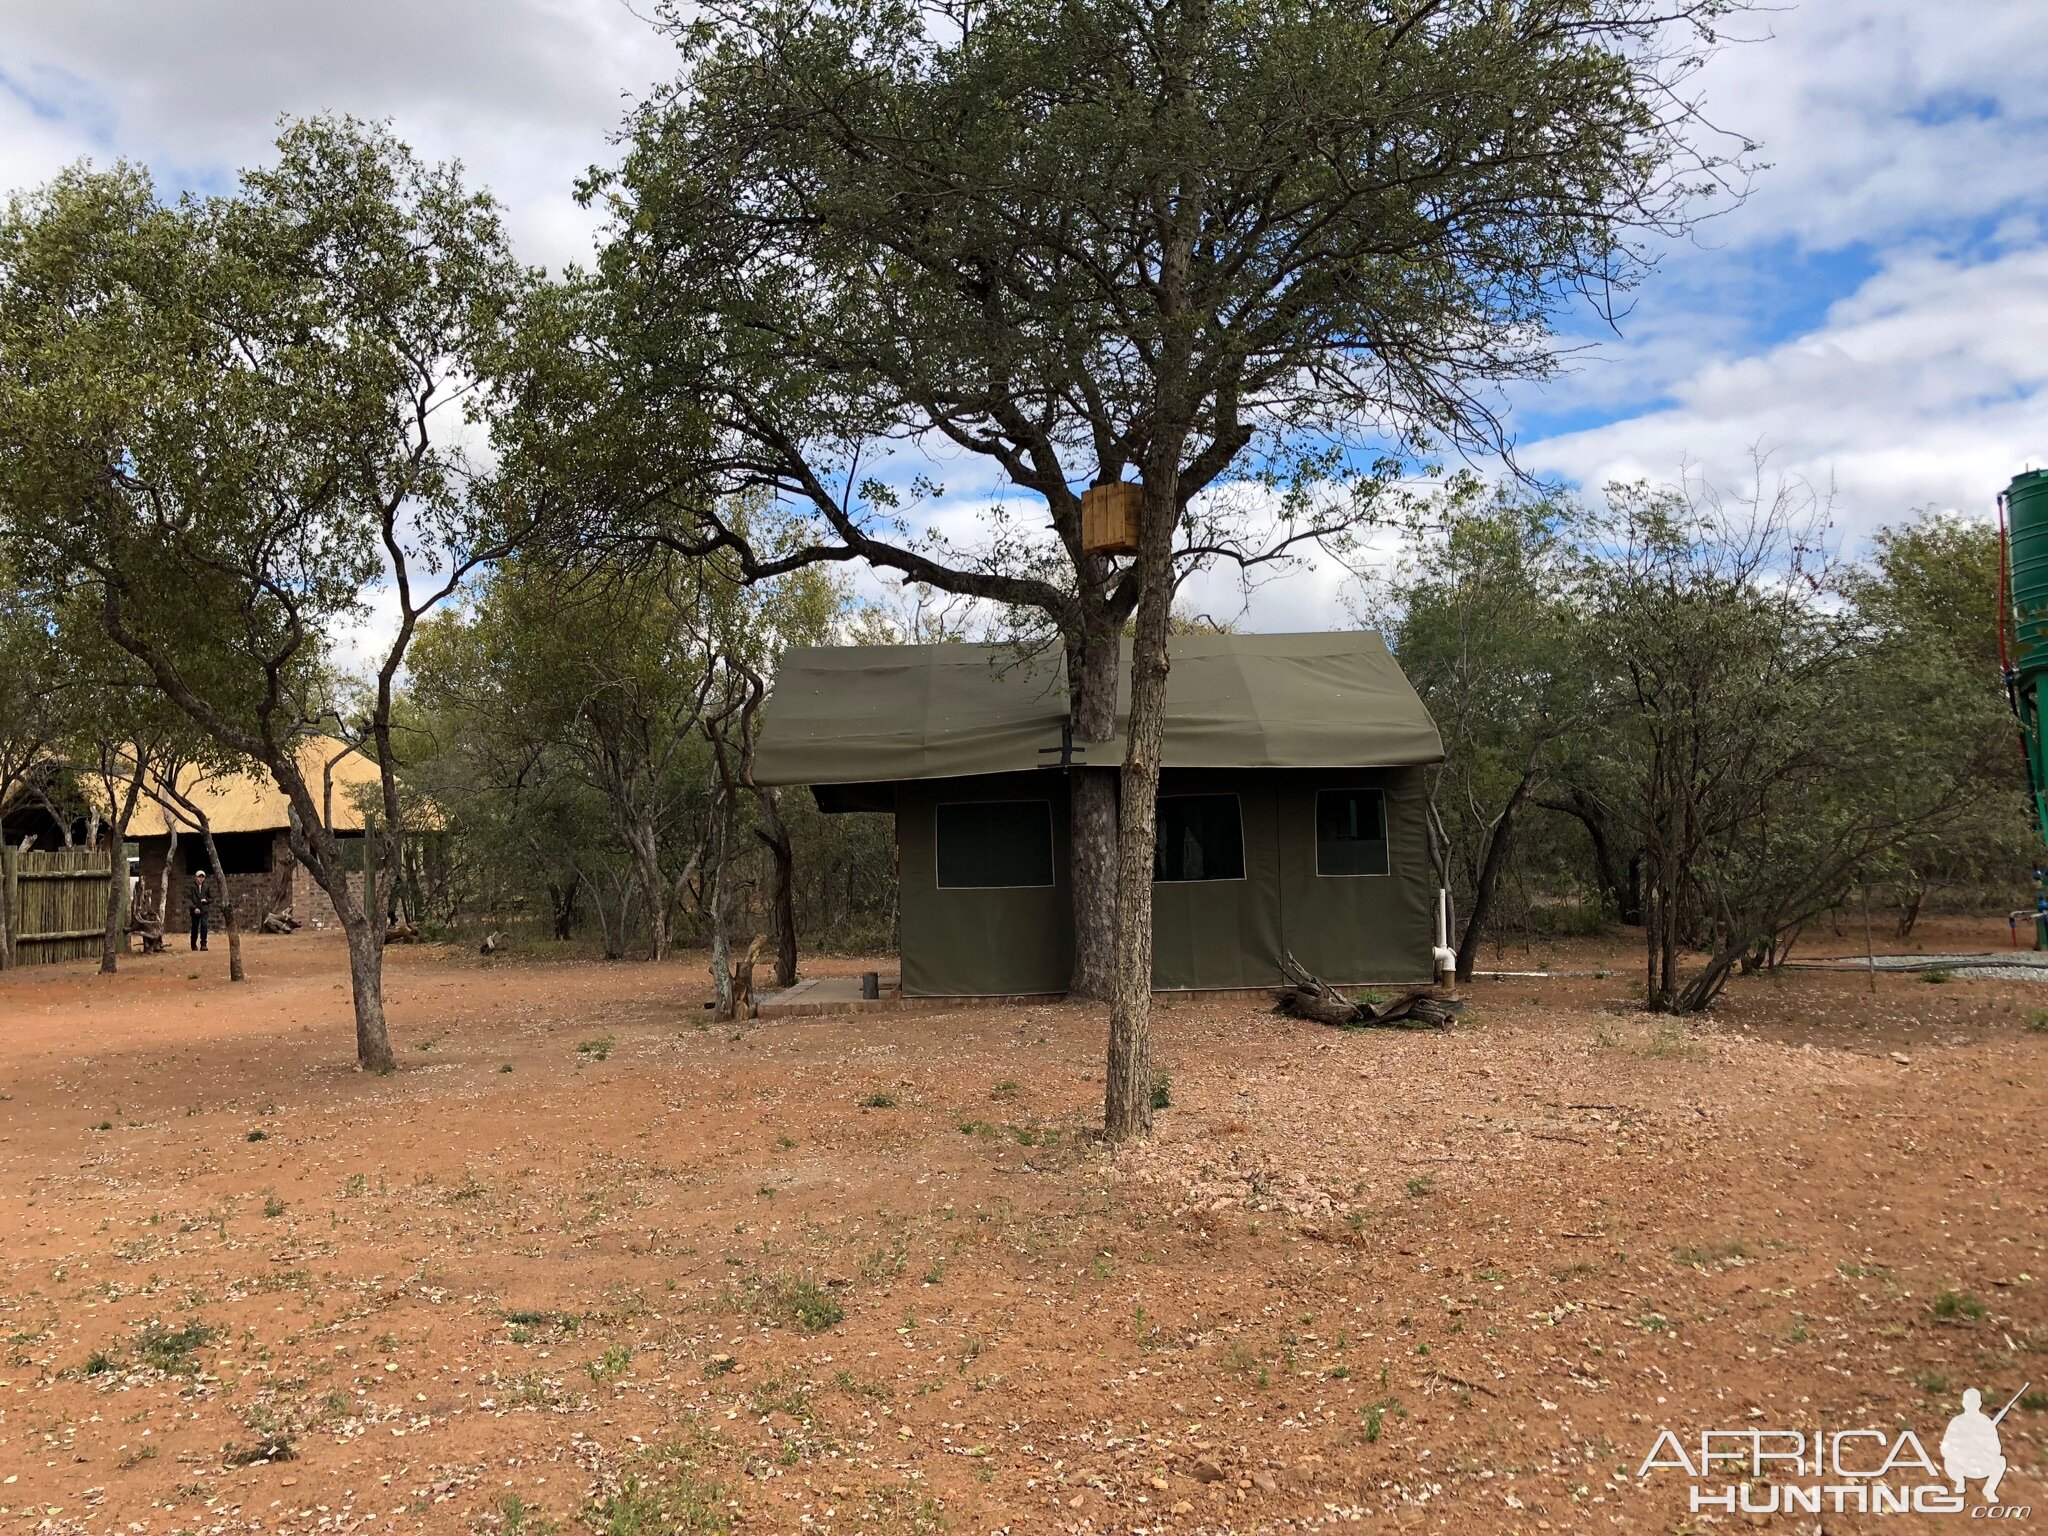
1291	817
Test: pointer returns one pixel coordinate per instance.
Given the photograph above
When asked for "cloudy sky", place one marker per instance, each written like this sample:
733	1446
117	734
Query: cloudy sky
1874	317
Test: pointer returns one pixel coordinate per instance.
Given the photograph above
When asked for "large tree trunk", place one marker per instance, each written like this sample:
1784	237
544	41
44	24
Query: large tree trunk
116	937
640	840
227	901
721	859
1621	886
1499	839
362	921
366	980
783	897
163	875
1127	1095
1092	673
562	896
114	940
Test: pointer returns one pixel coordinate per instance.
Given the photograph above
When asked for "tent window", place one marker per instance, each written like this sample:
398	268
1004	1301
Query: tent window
985	843
1351	832
1200	837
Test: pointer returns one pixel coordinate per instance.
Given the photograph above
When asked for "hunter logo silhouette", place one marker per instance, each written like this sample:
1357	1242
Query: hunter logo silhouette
1969	1446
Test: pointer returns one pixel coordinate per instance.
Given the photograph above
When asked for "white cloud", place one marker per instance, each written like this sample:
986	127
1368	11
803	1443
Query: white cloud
1906	144
1924	387
1882	117
524	92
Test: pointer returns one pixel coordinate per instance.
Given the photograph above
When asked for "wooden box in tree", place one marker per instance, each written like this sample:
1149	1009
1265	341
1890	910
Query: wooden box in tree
1109	519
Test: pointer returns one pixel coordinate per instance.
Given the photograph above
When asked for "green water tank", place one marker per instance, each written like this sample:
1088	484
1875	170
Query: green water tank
2026	503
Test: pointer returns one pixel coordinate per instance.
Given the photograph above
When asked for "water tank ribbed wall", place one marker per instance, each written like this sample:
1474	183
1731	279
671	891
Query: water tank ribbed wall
2026	501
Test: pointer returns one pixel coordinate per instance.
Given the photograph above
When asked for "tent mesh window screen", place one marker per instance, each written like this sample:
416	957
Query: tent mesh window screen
985	843
1200	837
1351	832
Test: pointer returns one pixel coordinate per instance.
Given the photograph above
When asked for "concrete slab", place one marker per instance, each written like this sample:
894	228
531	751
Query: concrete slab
825	994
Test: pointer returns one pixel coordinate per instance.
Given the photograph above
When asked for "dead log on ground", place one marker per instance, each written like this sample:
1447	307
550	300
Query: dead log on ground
1315	1000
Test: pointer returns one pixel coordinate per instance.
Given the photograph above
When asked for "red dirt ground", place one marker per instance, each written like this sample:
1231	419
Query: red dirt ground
584	1251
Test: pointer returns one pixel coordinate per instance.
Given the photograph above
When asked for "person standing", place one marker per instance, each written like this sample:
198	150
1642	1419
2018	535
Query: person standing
201	899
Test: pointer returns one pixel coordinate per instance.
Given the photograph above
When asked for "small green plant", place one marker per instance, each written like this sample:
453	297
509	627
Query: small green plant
1937	976
516	1517
1933	1383
2037	1021
104	1125
257	1136
879	1100
845	1381
1421	1185
1670	1039
2035	1401
1162	1092
799	1301
880	1265
1715	1255
785	1142
98	1363
596	1050
675	1500
719	1365
270	1448
507	1067
1376	1414
1957	1307
1654	1322
170	1350
1006	1087
610	1365
272	1206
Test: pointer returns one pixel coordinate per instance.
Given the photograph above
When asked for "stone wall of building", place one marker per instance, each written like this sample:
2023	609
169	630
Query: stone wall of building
288	884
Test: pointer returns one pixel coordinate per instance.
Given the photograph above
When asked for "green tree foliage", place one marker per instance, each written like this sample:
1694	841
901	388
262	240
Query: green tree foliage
226	419
1485	633
593	731
1235	250
1704	682
1929	602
